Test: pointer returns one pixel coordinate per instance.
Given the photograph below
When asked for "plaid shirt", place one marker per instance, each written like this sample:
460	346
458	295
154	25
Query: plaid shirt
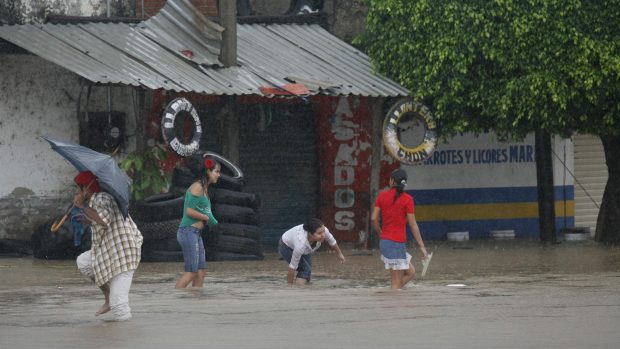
116	245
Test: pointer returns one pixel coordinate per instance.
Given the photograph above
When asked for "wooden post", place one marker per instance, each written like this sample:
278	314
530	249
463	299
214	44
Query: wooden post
376	137
228	19
230	130
141	120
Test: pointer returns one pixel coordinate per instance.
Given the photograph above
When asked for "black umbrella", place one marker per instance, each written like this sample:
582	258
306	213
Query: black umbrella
111	178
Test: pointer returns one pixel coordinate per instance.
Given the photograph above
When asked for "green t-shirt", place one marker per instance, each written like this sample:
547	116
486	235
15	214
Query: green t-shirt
201	204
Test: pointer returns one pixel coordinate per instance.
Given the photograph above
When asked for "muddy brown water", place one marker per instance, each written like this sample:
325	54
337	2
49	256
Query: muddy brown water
514	294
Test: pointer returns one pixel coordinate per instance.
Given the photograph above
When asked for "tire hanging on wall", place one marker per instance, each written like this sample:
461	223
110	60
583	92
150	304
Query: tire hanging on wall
393	145
172	110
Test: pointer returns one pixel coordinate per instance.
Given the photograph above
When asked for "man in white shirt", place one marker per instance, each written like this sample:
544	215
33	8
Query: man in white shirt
297	245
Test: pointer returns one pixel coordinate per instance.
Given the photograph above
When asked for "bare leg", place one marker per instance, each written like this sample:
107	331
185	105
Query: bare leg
408	275
397	279
185	280
106	306
199	278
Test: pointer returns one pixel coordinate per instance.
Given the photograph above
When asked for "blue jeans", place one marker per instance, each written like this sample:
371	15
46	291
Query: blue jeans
193	248
304	268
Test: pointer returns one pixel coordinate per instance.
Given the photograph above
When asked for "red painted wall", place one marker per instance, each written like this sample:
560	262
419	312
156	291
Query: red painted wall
344	161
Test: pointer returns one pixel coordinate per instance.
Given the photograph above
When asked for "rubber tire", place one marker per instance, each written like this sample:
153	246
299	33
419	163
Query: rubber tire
235	214
240	230
167	127
231	197
229	256
163	230
158	208
15	248
162	245
231	175
394	147
235	244
58	245
182	178
161	256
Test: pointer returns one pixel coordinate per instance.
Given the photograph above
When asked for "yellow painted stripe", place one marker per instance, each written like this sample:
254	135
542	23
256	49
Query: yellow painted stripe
466	212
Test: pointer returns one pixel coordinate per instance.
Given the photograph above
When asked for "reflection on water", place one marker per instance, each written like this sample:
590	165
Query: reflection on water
451	261
511	288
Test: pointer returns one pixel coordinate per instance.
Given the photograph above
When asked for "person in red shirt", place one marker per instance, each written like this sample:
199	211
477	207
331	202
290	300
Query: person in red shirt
396	210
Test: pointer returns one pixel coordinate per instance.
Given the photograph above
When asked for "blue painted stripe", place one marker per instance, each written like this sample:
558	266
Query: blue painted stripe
480	229
486	195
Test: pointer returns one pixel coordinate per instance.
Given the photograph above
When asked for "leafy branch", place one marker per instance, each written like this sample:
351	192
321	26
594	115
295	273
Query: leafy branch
145	169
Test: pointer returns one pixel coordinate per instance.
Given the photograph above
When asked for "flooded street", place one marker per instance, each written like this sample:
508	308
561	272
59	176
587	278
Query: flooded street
482	294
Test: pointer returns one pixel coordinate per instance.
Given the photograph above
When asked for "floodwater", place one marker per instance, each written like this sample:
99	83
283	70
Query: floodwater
482	294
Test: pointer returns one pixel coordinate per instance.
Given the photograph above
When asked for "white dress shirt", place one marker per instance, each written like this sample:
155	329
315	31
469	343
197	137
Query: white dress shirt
297	239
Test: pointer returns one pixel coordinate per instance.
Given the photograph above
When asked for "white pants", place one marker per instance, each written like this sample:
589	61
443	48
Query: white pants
119	287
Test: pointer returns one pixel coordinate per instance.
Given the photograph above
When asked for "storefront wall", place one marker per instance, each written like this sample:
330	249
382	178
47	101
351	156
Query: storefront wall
471	183
478	184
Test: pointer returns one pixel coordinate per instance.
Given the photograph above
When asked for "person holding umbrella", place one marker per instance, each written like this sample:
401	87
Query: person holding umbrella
102	193
116	244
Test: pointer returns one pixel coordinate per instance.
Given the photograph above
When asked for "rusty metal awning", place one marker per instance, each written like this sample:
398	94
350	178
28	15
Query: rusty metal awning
178	50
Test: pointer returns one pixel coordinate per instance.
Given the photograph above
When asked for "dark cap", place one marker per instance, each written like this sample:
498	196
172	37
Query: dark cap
399	176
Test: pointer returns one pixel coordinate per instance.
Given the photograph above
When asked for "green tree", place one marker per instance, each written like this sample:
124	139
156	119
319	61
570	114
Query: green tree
510	66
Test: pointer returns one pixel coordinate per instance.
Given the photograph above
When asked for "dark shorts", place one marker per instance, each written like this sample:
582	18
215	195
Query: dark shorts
304	268
193	248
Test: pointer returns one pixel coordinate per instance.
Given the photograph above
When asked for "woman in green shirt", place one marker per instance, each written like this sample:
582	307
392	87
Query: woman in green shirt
196	212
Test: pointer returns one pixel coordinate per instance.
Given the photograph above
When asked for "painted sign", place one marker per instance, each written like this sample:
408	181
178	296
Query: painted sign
478	184
344	126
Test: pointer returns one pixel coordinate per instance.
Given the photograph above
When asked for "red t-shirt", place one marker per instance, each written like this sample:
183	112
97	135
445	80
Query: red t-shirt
394	214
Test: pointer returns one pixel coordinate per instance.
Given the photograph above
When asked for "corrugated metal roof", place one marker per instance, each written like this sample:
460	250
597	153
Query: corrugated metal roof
177	50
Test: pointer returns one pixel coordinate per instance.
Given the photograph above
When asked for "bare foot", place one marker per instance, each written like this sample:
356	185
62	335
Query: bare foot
104	309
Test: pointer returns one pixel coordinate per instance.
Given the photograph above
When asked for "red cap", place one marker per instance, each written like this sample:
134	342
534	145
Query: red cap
85	178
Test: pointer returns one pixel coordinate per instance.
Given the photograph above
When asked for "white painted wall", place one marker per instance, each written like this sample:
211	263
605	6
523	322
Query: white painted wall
36	98
35	11
39	98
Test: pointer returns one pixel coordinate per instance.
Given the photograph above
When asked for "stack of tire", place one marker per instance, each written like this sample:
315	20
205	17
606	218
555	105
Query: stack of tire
236	237
57	245
158	218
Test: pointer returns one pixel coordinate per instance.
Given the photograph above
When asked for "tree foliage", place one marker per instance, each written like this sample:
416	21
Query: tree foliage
503	65
512	66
